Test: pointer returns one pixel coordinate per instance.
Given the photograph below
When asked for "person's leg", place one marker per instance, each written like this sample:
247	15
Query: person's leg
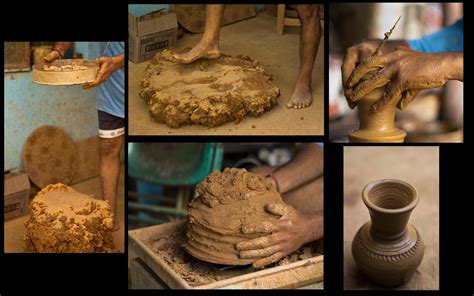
208	47
309	44
110	171
111	134
308	198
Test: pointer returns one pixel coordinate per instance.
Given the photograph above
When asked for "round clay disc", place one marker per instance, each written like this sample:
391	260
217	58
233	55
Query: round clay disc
50	156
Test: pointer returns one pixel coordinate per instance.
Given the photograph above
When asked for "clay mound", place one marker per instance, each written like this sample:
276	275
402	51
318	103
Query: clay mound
63	220
224	202
209	92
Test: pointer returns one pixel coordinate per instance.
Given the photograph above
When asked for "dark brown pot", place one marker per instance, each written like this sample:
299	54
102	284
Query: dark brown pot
388	249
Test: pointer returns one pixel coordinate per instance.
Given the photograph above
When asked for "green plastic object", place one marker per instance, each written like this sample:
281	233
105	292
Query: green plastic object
174	164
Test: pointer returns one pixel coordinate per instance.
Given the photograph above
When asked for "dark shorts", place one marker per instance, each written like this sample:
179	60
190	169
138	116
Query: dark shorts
110	126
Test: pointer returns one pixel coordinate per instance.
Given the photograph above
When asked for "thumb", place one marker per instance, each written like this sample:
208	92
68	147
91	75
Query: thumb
277	209
51	57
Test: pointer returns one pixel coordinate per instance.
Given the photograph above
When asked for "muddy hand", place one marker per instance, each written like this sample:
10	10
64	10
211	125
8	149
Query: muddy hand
52	56
355	55
405	72
107	67
278	239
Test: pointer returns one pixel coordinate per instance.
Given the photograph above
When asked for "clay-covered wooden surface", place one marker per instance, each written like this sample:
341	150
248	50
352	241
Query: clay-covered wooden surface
418	166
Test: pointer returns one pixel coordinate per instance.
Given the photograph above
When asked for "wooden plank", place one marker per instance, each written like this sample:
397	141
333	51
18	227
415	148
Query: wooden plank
142	277
280	19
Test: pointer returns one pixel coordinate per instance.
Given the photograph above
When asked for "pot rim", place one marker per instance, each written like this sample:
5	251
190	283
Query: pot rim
371	205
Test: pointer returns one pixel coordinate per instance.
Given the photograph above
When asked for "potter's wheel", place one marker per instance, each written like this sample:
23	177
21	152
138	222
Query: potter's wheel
69	72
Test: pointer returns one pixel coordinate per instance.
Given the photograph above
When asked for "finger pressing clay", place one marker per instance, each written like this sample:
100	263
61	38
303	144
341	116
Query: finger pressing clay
225	202
63	220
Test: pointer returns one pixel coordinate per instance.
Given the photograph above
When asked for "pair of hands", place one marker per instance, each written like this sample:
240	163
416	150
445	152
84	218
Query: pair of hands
279	239
403	71
108	65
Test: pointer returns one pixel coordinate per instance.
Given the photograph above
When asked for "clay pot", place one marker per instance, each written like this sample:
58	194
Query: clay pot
376	127
388	249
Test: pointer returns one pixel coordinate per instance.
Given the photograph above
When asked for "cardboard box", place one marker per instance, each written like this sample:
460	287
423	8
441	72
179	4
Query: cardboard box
150	33
16	194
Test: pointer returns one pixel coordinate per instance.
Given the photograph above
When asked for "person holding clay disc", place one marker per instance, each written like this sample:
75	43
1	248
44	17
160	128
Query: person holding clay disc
110	83
301	221
310	36
405	67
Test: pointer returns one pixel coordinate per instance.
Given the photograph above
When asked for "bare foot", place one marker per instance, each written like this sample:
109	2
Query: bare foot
201	50
301	97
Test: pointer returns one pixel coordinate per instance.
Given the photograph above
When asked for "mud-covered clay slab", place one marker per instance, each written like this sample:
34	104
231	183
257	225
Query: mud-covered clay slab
225	202
63	220
209	92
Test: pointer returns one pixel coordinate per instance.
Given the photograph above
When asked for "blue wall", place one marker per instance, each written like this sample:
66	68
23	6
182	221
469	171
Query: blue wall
29	105
141	9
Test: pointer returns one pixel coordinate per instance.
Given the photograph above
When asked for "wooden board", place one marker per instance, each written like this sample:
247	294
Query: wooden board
308	271
50	156
193	16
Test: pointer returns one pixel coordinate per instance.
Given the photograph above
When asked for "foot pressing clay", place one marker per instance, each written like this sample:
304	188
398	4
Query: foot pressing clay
63	220
225	202
209	92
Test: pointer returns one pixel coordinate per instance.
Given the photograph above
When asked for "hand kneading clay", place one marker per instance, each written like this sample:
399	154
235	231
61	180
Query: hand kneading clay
224	203
207	92
63	220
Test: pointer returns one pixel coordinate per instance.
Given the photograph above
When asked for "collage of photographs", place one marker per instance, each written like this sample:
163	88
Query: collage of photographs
205	147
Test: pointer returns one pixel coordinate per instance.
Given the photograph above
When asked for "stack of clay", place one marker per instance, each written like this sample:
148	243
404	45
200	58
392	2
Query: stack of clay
63	220
224	203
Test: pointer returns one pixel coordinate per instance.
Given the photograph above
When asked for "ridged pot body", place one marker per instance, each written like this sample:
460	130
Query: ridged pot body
387	249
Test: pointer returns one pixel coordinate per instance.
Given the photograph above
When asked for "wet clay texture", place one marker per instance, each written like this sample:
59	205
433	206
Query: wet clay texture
387	249
224	203
63	220
195	272
209	92
376	127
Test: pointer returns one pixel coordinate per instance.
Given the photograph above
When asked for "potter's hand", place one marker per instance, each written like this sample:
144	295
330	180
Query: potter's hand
404	72
52	56
107	67
358	54
280	238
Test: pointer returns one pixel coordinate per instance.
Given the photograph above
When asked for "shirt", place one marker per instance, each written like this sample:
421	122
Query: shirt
449	39
111	93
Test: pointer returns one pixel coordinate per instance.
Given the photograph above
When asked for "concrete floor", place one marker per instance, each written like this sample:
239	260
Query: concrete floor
257	38
15	229
418	166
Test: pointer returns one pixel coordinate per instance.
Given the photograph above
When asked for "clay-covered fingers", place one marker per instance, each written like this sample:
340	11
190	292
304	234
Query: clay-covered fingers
393	92
51	57
263	227
265	252
277	209
371	64
268	260
407	97
256	243
379	79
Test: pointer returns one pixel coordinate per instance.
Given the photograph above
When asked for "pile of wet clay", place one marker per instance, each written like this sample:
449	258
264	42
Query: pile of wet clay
224	203
209	92
64	68
63	220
